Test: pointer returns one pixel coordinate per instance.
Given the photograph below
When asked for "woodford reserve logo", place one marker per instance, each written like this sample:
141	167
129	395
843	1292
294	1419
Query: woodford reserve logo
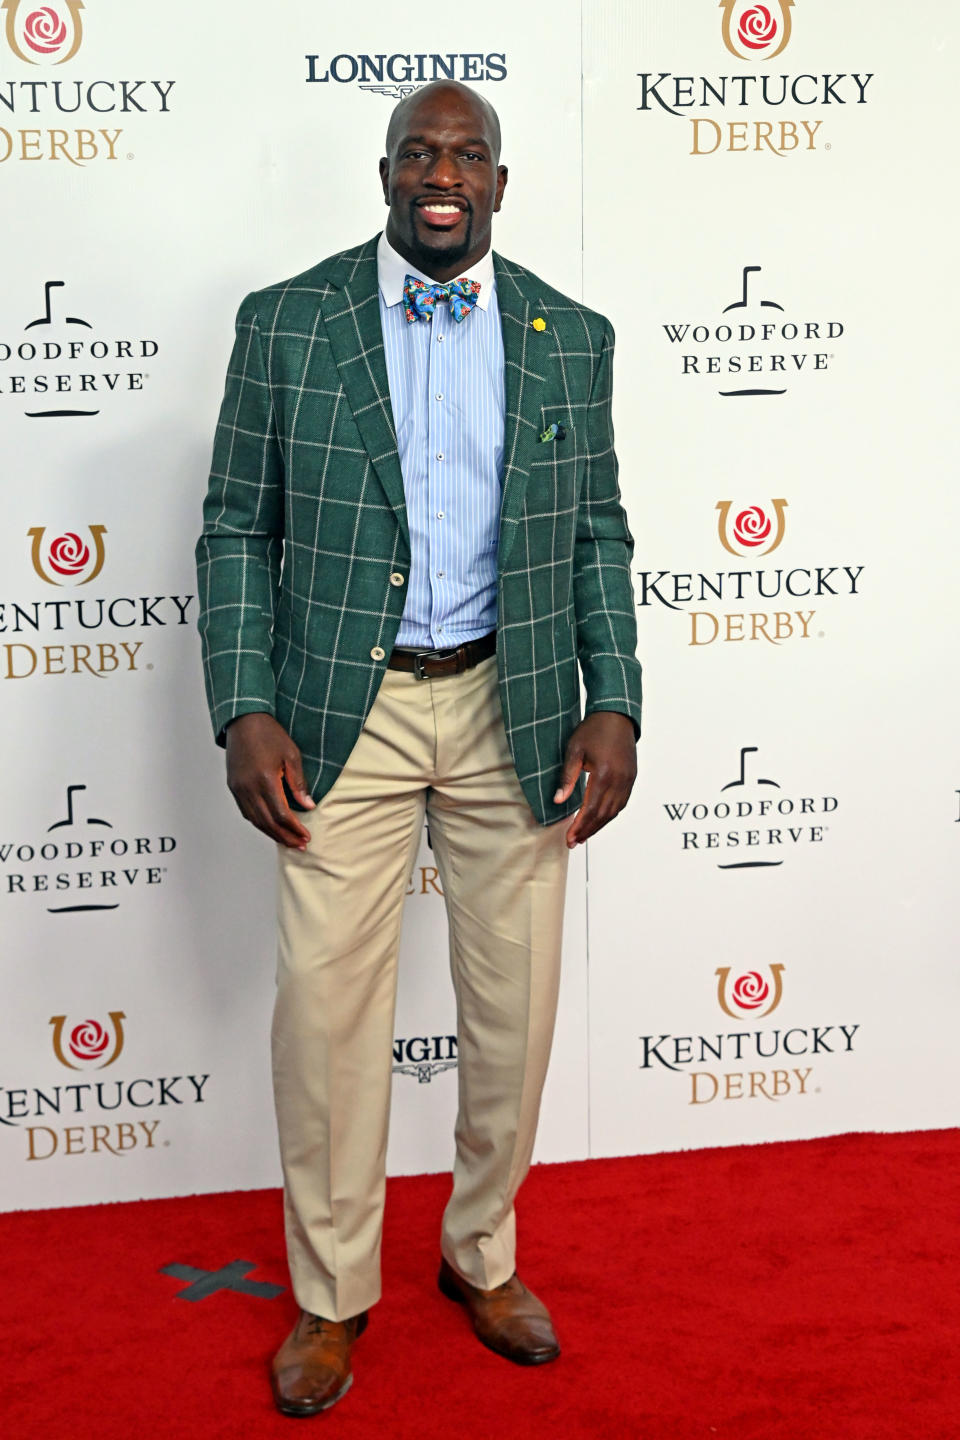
731	598
753	823
93	1045
752	347
747	997
753	34
88	636
82	862
50	35
64	369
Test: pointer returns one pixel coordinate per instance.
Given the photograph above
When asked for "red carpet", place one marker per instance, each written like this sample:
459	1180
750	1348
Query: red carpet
802	1291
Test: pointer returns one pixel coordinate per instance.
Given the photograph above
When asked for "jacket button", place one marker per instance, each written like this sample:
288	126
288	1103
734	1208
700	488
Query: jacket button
396	578
377	653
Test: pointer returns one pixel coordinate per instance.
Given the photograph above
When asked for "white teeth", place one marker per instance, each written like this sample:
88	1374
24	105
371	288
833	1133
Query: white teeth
442	209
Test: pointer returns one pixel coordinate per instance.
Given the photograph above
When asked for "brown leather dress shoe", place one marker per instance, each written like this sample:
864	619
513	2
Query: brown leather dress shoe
311	1370
509	1319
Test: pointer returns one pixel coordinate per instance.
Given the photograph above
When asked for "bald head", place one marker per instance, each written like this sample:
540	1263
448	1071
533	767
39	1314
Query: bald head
452	97
442	178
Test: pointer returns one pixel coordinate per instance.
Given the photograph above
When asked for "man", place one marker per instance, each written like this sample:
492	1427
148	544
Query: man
412	532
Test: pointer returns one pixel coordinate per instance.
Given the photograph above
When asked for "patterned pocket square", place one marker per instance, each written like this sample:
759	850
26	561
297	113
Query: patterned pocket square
553	432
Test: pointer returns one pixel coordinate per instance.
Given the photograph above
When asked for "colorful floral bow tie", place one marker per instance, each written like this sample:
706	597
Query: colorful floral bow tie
420	299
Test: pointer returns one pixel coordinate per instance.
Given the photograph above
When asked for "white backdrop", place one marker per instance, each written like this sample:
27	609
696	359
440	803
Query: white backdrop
135	1036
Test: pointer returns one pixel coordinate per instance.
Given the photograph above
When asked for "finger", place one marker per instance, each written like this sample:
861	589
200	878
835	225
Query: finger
293	770
266	808
293	833
602	802
260	816
576	832
572	766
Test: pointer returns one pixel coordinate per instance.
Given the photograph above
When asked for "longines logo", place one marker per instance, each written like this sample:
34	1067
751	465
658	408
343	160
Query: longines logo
750	531
49	35
93	637
62	375
754	824
93	1045
749	996
424	1056
396	76
753	34
84	863
754	353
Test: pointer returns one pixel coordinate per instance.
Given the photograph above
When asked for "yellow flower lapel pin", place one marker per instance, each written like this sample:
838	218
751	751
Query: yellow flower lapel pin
539	324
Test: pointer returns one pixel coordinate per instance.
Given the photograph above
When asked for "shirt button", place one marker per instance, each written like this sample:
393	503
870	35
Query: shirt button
439	514
439	574
439	454
377	653
439	339
440	396
396	578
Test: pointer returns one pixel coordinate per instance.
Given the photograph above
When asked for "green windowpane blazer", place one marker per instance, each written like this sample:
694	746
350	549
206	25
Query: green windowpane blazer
304	523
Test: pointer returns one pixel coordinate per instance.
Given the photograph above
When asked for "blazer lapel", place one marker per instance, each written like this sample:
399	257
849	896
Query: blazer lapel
525	356
352	317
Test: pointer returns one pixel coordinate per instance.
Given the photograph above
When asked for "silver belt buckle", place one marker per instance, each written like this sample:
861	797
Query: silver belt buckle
421	655
418	660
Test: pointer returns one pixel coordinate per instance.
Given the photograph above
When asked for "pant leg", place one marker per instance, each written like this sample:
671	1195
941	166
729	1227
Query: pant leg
340	906
504	879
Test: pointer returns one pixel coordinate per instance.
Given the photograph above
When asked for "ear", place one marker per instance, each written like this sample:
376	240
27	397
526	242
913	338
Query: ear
501	186
385	178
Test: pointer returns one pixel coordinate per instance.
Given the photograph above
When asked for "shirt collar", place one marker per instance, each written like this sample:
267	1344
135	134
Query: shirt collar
392	271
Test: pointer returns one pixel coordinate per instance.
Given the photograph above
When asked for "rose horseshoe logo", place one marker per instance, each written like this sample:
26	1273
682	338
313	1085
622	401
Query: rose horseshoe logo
749	992
751	528
67	556
88	1042
756	32
44	34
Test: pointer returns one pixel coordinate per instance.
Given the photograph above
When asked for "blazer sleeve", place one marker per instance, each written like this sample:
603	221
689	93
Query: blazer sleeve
602	588
240	548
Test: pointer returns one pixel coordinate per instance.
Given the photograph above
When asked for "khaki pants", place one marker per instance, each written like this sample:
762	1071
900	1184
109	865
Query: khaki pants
436	747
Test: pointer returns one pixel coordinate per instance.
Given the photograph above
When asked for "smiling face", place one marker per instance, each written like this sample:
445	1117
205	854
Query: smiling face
442	179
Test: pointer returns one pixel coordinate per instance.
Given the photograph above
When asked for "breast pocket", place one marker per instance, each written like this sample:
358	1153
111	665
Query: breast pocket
556	433
552	488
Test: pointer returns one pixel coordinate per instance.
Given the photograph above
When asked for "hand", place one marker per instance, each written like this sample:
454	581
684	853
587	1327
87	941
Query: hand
604	745
260	756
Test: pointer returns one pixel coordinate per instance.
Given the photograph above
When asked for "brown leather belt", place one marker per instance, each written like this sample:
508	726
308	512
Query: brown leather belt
435	664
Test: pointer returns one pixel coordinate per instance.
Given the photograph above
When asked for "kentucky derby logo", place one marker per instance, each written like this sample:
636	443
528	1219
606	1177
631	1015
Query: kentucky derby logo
749	993
89	1042
751	528
756	32
44	34
67	559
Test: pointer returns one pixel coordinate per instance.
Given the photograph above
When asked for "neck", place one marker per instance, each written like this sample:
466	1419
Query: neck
433	264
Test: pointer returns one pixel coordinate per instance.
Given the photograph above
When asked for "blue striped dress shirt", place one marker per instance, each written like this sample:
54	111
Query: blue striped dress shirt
447	395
